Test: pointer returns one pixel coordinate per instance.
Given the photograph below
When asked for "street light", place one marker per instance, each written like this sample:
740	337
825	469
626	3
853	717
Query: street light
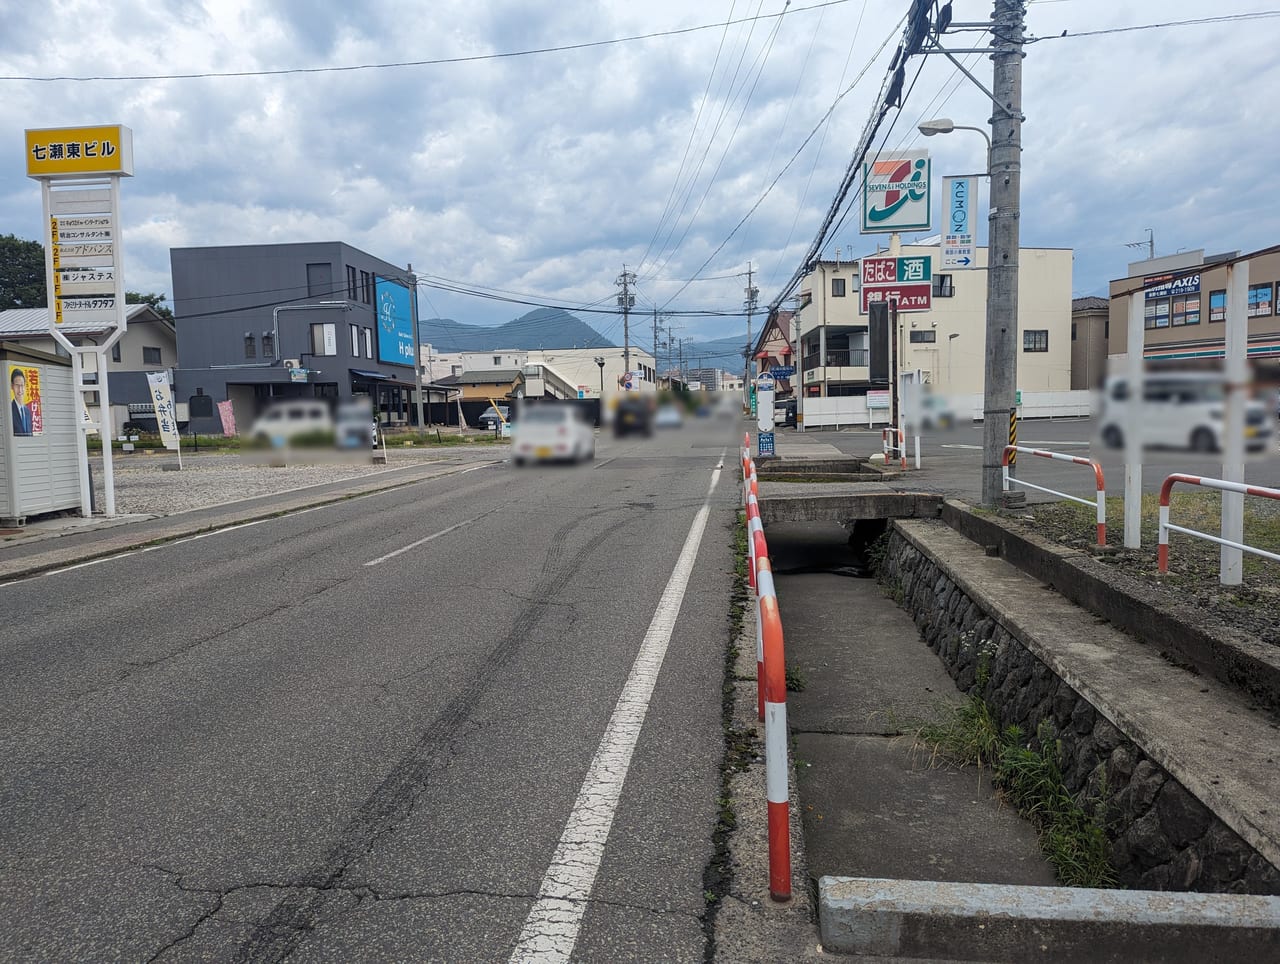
1000	374
945	125
600	413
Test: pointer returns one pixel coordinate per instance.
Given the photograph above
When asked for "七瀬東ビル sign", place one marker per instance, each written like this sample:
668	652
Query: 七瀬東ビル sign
897	193
395	322
80	151
906	280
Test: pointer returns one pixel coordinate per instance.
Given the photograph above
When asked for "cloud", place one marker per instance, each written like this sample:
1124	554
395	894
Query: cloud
546	173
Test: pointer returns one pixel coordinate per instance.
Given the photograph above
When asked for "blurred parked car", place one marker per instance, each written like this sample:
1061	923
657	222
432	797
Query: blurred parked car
286	420
1180	410
668	417
492	418
552	432
784	412
354	426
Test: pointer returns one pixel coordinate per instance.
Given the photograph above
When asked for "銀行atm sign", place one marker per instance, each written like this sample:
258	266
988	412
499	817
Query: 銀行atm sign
908	281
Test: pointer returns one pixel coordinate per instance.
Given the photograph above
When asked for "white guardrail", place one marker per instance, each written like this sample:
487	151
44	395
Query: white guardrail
1100	499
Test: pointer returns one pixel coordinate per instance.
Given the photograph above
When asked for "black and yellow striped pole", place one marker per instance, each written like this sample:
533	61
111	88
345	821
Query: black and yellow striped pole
1013	434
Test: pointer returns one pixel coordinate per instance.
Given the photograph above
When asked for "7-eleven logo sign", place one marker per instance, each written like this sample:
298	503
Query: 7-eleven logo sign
897	193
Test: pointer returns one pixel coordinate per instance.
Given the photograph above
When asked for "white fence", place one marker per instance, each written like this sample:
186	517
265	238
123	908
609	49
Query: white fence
851	410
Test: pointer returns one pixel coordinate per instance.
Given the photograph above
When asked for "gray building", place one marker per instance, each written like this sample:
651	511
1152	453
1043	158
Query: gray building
262	322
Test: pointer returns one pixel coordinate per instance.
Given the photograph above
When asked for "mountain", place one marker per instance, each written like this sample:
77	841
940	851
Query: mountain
722	353
540	328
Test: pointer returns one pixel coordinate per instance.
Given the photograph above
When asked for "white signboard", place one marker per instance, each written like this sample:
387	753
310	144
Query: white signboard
88	281
162	402
959	248
897	193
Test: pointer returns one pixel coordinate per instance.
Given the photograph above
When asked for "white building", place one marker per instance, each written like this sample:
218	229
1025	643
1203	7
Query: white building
946	344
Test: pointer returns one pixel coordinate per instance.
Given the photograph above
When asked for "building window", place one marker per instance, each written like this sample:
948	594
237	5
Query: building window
943	286
1260	302
1218	305
1073	331
355	341
1186	310
319	279
92	398
268	345
324	339
1106	330
250	346
351	283
1156	313
1035	340
151	356
497	360
927	337
837	287
368	343
366	287
115	352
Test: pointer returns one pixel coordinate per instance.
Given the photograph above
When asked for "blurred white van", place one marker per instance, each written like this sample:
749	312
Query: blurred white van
1180	410
286	419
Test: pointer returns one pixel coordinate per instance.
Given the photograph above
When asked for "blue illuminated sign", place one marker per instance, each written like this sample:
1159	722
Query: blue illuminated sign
395	322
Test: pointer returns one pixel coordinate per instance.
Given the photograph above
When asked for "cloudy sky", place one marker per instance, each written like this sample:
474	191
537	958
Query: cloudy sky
539	175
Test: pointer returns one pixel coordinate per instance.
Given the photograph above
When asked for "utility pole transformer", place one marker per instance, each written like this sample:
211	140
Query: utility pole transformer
626	301
1005	167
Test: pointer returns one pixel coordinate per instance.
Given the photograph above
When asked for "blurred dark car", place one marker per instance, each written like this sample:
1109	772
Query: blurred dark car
634	415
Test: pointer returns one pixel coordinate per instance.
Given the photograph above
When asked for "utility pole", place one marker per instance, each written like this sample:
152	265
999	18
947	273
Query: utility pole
752	293
1003	240
417	350
626	301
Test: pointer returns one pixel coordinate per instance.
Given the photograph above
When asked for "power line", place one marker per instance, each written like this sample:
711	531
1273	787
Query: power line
1228	18
786	167
439	61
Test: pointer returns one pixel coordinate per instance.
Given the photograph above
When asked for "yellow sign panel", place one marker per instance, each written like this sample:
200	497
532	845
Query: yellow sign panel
80	151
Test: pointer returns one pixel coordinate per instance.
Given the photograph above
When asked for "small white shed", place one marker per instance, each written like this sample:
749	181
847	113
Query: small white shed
39	462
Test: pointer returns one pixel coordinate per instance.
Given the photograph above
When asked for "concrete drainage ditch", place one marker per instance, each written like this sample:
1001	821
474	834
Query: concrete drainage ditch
1183	765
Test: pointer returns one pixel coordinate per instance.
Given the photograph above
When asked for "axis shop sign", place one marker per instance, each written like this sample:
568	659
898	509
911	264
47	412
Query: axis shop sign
908	281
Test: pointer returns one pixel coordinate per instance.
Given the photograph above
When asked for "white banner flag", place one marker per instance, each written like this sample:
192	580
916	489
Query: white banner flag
162	401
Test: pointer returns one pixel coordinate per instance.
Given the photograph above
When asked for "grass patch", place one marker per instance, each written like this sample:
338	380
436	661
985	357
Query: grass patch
1028	774
1194	508
795	679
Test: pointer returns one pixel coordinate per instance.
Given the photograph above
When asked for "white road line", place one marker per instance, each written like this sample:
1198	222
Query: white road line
435	535
551	929
958	445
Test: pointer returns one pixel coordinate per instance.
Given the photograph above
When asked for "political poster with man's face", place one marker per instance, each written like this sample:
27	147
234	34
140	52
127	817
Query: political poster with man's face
25	404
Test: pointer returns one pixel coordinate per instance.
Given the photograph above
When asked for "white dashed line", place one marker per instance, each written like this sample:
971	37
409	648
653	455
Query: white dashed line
551	929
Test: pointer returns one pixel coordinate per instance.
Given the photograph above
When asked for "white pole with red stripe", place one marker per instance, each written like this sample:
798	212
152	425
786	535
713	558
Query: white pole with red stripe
775	738
1166	490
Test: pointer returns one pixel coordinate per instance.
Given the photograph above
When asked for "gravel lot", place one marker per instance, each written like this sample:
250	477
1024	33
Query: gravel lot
144	486
1192	584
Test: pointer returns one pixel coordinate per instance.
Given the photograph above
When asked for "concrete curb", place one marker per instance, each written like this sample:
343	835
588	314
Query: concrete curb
912	919
750	927
120	539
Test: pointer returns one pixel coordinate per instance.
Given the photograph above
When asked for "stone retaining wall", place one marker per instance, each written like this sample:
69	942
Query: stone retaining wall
1162	837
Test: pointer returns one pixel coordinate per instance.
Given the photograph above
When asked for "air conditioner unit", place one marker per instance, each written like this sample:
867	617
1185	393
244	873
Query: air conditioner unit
293	363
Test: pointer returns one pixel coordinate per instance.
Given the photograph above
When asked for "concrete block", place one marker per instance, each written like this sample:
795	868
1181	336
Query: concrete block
910	919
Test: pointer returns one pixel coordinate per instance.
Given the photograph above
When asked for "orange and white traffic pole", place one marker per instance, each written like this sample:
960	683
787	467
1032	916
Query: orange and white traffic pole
775	737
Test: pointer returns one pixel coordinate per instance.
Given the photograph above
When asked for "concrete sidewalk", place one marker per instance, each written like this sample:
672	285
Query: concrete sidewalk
60	542
873	804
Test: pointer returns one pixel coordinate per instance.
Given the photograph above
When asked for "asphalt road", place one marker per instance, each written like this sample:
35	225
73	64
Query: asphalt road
360	732
951	461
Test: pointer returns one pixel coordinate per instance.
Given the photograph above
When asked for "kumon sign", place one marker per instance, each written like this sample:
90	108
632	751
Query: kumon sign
897	193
